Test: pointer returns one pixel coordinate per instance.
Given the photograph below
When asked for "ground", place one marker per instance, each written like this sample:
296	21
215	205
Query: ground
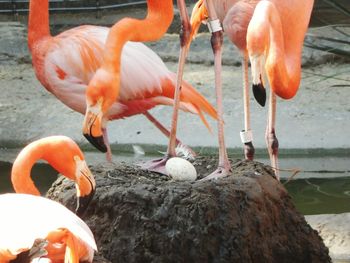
315	118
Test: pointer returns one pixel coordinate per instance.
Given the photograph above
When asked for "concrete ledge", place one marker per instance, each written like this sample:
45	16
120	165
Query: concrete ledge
335	232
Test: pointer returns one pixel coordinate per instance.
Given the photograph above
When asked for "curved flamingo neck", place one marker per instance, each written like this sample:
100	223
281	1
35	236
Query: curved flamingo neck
38	24
21	169
159	17
283	65
281	43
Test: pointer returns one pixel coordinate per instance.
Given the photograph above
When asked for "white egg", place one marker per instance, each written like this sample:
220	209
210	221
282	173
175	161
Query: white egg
180	169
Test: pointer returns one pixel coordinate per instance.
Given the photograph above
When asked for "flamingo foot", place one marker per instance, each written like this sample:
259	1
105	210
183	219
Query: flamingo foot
220	172
157	165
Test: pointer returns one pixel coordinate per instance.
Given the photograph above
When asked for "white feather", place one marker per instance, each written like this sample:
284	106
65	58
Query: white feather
25	218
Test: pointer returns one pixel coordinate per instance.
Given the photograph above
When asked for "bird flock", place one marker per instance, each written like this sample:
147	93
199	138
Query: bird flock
109	74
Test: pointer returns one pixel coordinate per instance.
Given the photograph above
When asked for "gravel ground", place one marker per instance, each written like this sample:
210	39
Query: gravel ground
316	118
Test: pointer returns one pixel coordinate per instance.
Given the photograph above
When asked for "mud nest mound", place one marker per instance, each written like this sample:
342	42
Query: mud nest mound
139	216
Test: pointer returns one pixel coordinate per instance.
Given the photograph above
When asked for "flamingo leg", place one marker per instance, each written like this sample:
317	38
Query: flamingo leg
159	164
270	135
224	167
166	132
246	134
184	43
106	141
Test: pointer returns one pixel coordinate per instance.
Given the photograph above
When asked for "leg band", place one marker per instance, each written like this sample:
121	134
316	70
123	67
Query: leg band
246	136
214	25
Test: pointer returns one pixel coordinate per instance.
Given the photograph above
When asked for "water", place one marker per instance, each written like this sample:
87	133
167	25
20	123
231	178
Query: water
321	195
43	176
322	186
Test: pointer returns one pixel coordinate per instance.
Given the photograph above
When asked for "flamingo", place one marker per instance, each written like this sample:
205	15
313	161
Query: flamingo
65	64
106	86
34	227
271	34
63	154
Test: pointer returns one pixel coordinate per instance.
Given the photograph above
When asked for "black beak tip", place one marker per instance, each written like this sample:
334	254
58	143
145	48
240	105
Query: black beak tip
259	93
98	142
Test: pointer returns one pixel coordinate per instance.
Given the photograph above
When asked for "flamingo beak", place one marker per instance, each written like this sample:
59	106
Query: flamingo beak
92	127
85	188
258	84
259	93
97	142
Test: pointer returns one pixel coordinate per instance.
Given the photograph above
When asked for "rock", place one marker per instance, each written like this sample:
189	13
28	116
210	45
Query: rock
139	216
100	259
335	232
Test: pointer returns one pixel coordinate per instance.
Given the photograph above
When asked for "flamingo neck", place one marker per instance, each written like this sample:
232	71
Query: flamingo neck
283	66
153	27
268	39
21	169
38	24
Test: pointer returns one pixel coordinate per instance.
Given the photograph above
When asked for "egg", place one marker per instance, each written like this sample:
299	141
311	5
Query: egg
180	169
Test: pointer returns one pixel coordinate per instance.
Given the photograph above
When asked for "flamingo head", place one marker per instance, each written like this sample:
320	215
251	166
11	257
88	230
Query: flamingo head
101	93
65	156
199	15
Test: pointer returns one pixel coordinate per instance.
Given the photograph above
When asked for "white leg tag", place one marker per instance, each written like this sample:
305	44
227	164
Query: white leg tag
246	136
214	26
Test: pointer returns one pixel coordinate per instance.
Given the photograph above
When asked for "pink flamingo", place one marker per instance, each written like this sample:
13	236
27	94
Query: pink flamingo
63	154
105	87
271	34
66	63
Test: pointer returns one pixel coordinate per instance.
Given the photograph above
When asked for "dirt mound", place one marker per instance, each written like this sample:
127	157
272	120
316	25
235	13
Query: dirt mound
138	216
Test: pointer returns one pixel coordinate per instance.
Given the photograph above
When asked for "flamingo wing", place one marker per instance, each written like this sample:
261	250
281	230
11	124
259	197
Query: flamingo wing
26	218
70	62
146	82
75	55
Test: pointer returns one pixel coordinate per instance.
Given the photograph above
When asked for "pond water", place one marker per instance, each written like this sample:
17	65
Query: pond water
43	176
322	186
